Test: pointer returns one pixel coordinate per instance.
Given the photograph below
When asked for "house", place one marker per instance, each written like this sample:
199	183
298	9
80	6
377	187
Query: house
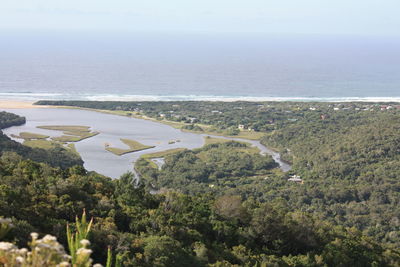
241	127
192	119
385	107
295	178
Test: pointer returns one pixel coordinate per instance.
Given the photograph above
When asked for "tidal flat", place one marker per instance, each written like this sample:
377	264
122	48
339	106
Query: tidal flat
111	129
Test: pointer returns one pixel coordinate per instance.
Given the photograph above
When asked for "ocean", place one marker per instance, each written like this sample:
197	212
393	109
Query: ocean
94	66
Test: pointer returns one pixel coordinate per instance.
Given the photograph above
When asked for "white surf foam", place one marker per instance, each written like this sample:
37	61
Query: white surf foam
120	97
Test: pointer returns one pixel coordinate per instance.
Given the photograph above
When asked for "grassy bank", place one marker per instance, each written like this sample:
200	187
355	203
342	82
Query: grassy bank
134	146
29	136
40	143
162	154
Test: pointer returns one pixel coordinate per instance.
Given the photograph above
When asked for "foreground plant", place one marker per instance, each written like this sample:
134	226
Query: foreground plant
78	243
43	252
5	226
48	252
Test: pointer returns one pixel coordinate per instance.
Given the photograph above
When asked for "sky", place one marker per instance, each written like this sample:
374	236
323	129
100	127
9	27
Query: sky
348	17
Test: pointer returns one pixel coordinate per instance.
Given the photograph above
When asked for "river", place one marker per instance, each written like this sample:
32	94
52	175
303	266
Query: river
112	128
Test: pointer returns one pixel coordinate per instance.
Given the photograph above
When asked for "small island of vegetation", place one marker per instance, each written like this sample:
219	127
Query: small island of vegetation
72	133
134	146
29	136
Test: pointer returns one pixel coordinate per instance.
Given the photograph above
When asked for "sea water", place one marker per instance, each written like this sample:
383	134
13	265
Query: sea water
133	66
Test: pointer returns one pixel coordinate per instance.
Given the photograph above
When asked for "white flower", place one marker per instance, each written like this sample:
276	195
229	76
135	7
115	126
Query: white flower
49	238
84	251
66	257
23	251
34	236
6	246
63	264
20	259
44	246
97	265
85	243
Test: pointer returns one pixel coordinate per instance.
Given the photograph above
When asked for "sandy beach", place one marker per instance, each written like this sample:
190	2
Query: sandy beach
18	104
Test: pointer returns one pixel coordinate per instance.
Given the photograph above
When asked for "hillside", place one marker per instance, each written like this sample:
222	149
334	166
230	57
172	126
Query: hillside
201	228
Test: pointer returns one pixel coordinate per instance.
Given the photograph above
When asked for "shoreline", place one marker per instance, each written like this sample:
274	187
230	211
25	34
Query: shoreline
19	104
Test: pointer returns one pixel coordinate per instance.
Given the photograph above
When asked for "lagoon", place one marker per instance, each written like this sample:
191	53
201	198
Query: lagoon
111	128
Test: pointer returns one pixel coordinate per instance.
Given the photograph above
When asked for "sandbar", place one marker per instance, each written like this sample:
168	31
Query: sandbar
10	104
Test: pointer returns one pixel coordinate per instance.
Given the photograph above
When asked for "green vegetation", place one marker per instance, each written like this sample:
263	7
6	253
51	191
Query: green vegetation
192	127
222	206
162	154
212	140
346	153
10	119
72	148
134	146
351	161
44	144
219	166
29	136
208	140
173	229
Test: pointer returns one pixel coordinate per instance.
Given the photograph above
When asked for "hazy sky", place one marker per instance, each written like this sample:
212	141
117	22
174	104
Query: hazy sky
358	17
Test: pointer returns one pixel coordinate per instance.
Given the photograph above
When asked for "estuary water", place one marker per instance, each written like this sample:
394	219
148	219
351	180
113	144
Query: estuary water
112	128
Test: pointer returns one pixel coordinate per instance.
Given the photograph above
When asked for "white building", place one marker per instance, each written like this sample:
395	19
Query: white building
295	178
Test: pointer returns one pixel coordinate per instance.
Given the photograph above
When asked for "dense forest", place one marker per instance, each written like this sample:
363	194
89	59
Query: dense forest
223	204
174	229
